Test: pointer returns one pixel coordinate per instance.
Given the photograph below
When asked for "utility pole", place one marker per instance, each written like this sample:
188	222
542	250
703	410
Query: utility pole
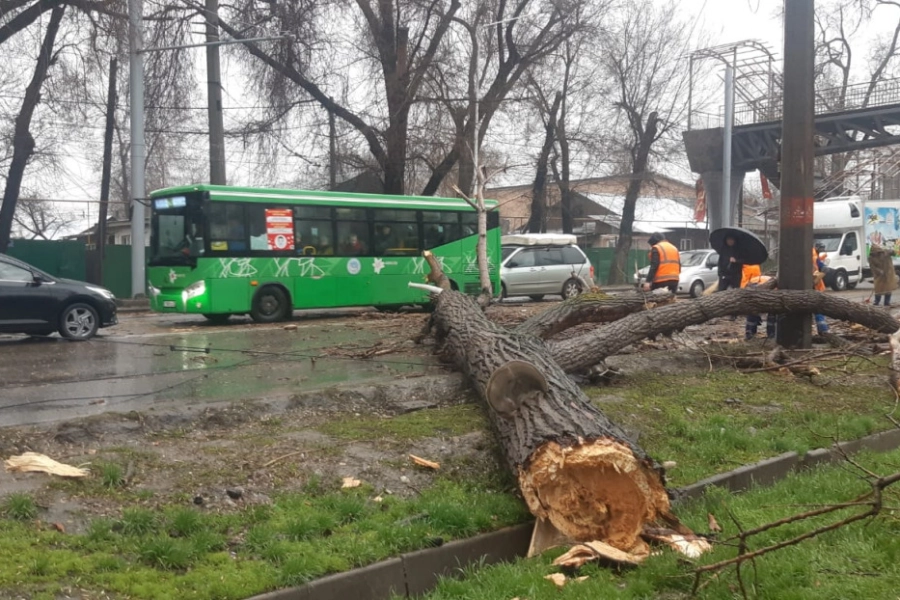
727	217
107	168
214	87
332	151
796	239
138	148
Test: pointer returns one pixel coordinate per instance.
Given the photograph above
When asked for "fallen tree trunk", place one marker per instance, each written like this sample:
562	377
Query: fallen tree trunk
577	470
592	307
583	351
575	467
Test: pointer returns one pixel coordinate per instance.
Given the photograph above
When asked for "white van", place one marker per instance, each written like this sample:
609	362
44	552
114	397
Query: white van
847	227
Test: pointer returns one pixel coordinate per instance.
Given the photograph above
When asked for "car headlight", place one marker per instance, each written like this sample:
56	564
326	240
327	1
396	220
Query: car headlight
198	288
154	291
101	291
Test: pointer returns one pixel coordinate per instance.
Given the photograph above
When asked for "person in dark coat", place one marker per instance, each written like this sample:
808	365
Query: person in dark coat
730	266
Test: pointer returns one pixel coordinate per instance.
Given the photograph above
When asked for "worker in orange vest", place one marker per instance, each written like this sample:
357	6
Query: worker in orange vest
748	272
665	265
818	262
751	277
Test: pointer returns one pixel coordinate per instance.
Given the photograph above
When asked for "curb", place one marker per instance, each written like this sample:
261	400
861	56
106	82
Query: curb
415	573
771	470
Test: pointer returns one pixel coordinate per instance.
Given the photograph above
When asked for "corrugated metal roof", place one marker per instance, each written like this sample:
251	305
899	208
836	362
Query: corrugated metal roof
651	214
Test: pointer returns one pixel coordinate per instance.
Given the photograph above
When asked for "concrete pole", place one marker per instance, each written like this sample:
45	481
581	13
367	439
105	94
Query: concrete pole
214	88
727	218
138	149
796	239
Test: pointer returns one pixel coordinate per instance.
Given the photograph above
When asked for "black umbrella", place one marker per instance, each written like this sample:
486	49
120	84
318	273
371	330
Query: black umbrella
748	248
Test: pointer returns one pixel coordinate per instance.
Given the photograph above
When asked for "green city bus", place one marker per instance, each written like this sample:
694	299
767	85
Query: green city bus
221	250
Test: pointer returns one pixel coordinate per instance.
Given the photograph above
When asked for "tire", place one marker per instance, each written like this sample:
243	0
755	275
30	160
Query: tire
537	297
79	322
840	281
218	318
503	294
270	305
697	289
570	289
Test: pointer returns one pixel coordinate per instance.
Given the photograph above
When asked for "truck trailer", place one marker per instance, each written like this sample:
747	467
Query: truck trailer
848	226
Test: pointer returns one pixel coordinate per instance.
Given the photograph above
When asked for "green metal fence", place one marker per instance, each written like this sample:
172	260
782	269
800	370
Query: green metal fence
58	258
602	258
70	259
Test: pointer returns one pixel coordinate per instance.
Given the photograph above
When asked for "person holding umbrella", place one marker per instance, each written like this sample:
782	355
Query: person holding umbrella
665	264
736	247
730	265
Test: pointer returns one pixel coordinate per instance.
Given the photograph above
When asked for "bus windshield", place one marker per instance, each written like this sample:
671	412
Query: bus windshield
176	231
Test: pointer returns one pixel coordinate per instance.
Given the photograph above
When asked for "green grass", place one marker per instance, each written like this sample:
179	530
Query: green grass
20	506
183	552
450	421
685	418
857	561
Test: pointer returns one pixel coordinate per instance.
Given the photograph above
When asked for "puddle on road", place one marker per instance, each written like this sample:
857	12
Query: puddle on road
53	379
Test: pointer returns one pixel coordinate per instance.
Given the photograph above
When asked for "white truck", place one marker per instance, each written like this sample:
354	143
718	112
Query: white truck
848	226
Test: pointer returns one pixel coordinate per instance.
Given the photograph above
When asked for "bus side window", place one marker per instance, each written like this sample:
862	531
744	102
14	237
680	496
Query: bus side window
439	228
353	238
227	226
257	221
469	223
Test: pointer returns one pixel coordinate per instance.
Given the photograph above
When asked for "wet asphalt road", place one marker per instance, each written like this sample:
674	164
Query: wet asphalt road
152	360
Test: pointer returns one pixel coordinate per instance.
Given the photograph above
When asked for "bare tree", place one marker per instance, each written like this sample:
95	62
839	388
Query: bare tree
23	141
37	218
643	59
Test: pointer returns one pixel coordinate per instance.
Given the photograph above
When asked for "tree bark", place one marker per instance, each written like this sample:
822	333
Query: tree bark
584	351
23	141
576	469
537	222
591	307
641	157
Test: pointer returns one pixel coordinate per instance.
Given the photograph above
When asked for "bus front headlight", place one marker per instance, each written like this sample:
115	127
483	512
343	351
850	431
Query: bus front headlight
198	288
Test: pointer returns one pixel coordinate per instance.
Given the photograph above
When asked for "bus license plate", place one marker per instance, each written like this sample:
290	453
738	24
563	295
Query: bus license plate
168	304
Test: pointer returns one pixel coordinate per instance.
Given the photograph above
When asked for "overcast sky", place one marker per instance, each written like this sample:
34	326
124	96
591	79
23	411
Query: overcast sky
736	20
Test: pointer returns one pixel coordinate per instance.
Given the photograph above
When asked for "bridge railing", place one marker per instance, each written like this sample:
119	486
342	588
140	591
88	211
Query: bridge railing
829	100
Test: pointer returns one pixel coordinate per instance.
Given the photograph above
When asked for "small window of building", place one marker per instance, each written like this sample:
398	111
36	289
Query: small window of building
685	244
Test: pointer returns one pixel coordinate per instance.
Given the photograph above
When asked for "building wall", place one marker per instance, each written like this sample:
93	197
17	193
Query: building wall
515	201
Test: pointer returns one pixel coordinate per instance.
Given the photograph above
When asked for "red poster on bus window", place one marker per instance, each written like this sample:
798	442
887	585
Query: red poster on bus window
280	228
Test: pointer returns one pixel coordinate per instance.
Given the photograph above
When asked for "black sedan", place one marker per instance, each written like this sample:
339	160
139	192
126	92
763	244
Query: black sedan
36	303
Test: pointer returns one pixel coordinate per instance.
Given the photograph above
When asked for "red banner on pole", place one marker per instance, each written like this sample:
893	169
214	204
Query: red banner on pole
766	190
700	206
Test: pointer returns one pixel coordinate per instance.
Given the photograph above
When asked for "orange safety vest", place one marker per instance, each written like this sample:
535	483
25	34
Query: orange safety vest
819	286
758	280
749	272
669	262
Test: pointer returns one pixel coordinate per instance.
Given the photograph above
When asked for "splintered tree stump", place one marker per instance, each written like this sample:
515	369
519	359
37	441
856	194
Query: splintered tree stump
575	467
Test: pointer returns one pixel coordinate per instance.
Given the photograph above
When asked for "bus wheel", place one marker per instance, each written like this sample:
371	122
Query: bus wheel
269	305
217	319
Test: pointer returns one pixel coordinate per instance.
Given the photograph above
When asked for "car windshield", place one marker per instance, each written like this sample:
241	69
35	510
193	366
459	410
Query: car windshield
33	269
692	259
506	251
177	231
831	241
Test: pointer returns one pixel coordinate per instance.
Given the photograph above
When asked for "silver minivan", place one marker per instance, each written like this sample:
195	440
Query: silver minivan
536	265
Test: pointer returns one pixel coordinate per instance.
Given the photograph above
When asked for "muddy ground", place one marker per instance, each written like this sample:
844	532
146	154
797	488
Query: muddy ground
228	455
